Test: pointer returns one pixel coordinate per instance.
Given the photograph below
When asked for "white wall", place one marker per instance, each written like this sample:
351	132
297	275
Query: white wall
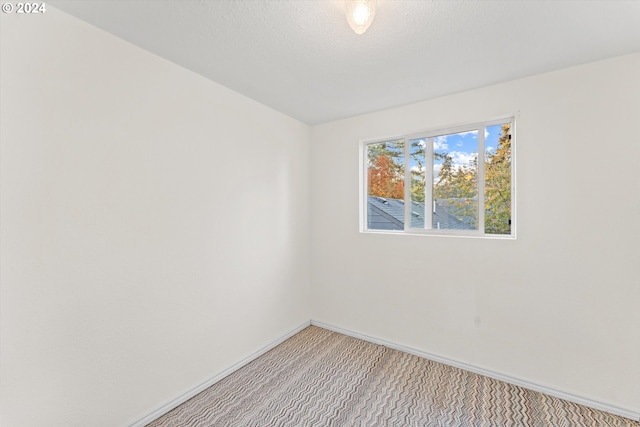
136	262
154	226
559	306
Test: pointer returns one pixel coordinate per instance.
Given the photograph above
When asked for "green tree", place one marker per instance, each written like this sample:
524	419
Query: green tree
456	189
418	171
497	190
455	183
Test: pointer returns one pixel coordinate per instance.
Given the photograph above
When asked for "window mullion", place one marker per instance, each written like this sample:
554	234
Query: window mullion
428	185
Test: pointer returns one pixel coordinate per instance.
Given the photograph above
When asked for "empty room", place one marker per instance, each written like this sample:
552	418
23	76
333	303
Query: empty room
319	213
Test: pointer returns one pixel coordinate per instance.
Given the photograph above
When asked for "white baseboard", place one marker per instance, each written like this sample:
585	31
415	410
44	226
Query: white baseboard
602	406
211	381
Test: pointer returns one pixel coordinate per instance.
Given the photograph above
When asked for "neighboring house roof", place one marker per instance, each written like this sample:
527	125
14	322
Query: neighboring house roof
385	214
388	214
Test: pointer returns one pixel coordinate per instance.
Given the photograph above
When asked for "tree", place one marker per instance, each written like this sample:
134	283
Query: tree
455	183
385	175
497	190
456	189
418	171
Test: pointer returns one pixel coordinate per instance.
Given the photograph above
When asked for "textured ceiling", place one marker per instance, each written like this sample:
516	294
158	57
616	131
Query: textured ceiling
301	58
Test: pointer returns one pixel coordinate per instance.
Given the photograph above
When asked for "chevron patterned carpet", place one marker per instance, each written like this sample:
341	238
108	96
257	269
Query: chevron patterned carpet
323	378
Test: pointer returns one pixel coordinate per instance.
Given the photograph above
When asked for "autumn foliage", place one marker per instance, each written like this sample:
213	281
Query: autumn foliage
384	179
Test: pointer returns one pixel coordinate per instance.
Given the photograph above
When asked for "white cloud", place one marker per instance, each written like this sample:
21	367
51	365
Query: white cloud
461	158
419	142
471	132
440	143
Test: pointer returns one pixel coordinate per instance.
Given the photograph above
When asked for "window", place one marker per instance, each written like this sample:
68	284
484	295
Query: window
453	181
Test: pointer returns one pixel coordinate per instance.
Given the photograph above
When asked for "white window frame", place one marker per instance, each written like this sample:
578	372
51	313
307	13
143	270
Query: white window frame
428	135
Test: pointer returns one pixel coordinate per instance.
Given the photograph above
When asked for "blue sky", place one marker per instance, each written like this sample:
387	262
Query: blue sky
462	147
491	137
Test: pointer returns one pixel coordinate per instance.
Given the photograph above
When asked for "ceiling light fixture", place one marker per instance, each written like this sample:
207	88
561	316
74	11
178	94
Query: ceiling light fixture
360	14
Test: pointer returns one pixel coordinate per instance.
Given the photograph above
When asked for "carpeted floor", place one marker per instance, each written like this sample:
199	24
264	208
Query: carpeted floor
323	378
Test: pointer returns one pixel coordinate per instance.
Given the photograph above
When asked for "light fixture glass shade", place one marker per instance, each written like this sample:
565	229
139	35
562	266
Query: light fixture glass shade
360	14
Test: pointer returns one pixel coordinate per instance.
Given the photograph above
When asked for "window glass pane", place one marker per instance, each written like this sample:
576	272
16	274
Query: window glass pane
417	163
497	183
455	181
385	186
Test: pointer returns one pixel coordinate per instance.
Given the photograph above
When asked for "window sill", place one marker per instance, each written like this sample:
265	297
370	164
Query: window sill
431	233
